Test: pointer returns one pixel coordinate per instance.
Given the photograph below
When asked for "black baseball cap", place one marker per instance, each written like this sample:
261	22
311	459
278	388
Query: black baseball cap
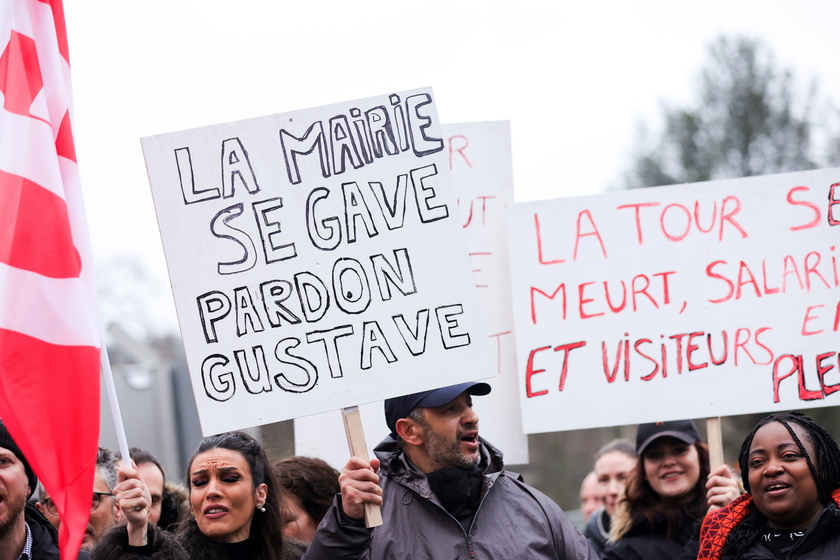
400	407
683	430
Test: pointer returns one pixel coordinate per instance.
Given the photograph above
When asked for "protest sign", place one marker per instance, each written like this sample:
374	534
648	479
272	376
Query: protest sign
689	301
316	259
480	163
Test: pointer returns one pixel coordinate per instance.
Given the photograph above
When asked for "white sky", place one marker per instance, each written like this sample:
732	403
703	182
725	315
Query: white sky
573	78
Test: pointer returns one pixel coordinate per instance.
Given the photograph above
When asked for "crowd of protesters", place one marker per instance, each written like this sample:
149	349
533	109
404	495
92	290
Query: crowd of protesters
444	492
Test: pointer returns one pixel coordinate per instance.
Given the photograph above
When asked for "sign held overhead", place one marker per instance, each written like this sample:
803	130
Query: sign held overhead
706	299
316	259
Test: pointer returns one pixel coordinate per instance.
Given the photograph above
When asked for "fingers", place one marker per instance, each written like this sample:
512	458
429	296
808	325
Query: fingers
132	495
721	488
722	470
126	473
359	485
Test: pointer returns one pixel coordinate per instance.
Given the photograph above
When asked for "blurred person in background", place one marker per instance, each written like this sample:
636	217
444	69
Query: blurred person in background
170	500
309	486
103	511
591	498
152	473
613	464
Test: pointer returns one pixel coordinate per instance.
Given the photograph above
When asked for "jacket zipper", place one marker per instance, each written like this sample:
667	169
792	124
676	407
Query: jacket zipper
467	532
810	530
477	510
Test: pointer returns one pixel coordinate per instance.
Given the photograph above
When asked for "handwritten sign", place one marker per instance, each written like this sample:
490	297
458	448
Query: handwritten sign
480	162
316	258
676	302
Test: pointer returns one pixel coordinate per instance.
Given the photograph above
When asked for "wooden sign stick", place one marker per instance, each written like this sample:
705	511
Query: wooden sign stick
358	448
715	442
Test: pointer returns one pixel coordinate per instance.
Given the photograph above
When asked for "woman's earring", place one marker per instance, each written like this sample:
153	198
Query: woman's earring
261	507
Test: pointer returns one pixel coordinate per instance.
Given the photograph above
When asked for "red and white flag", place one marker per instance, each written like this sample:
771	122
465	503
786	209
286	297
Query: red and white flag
49	324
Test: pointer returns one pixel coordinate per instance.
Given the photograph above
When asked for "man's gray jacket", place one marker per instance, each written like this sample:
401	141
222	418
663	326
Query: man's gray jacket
513	520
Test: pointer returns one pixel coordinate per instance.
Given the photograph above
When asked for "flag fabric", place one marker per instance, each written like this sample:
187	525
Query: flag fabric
49	326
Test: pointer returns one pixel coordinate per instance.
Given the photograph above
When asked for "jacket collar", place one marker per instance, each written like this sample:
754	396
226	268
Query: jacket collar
395	465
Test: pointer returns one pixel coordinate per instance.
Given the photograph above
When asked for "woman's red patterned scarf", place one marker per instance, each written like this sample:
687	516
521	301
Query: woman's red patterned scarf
718	524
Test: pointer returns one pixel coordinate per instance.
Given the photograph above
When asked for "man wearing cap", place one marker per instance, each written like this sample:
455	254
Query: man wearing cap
24	533
444	493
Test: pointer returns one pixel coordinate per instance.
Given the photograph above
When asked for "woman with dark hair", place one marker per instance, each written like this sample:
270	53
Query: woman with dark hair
790	467
309	487
669	490
233	502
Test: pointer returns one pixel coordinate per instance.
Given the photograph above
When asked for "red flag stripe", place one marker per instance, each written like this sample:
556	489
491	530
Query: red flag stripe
64	145
43	386
35	229
49	327
20	74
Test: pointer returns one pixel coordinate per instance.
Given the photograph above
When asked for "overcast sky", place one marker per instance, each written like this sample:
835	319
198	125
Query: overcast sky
573	78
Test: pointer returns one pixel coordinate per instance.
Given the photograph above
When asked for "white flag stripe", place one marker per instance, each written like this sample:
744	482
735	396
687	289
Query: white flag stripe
18	157
63	315
19	16
56	95
81	239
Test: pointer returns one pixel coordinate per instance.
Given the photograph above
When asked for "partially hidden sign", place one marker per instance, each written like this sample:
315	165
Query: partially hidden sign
316	259
479	158
689	301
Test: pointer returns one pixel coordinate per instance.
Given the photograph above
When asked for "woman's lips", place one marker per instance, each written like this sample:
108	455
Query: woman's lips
215	512
776	489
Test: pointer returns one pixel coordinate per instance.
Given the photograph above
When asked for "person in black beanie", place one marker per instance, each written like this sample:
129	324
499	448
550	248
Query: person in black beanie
7	442
25	534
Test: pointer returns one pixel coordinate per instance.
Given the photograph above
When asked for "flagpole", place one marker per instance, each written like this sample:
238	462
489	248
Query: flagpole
115	404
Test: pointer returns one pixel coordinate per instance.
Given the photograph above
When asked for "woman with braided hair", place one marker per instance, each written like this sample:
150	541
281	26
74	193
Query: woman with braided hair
790	466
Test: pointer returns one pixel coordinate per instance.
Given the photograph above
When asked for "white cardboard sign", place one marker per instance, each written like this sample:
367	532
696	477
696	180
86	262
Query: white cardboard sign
316	258
480	162
689	301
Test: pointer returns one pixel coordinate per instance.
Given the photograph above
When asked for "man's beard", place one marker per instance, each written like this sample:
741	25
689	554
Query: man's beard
15	505
92	536
447	454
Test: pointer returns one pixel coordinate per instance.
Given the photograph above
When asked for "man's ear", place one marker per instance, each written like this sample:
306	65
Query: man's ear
410	431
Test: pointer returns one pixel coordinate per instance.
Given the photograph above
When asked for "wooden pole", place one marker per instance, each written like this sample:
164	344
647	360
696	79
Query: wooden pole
358	448
715	442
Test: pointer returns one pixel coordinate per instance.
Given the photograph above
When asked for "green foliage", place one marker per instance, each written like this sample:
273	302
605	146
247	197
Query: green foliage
748	120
